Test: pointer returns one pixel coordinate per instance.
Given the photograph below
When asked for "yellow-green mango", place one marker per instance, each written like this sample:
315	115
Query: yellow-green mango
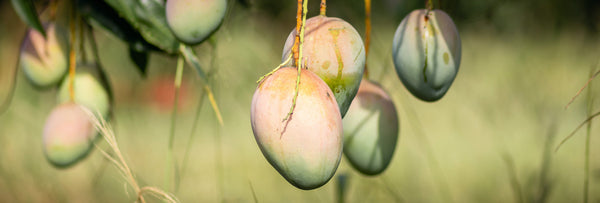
192	21
334	51
87	92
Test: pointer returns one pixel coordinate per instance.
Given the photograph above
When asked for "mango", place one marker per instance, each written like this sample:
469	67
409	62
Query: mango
192	21
370	129
427	53
334	51
306	148
45	60
68	134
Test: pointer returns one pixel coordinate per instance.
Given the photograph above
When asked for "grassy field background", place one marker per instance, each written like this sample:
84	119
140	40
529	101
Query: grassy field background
498	125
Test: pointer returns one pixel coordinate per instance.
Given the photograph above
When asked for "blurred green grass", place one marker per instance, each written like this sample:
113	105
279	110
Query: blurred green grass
508	98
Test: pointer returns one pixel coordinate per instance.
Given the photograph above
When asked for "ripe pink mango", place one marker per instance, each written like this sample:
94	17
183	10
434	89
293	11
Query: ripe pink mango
68	134
44	60
306	149
334	51
370	129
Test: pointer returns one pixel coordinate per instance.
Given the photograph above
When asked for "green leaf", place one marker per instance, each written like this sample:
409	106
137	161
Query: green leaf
148	17
109	19
139	58
28	14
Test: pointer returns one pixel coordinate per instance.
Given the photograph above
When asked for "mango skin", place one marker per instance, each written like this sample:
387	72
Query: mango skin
306	151
88	92
192	21
334	51
370	129
45	61
68	134
427	76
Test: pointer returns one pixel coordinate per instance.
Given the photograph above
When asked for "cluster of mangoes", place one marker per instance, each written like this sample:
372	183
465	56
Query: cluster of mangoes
306	147
68	133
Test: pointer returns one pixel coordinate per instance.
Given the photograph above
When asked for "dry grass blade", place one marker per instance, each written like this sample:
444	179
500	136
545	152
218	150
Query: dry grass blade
11	92
576	129
582	88
512	174
119	161
388	187
253	192
162	195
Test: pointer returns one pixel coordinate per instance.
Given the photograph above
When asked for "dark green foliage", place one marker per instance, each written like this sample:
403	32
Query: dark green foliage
28	14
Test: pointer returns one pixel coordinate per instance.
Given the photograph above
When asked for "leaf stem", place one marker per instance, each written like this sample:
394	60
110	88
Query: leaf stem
72	54
295	48
367	34
274	70
429	5
323	9
299	64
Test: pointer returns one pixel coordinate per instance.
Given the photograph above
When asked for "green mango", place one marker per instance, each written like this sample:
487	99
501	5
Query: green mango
427	53
193	21
370	129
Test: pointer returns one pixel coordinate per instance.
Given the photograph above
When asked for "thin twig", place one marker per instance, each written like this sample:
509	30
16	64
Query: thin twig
274	70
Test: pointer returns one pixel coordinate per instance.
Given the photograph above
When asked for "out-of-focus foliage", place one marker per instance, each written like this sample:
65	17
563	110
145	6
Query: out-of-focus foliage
504	15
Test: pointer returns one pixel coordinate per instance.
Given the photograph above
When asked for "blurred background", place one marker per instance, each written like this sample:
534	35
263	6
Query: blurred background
492	138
